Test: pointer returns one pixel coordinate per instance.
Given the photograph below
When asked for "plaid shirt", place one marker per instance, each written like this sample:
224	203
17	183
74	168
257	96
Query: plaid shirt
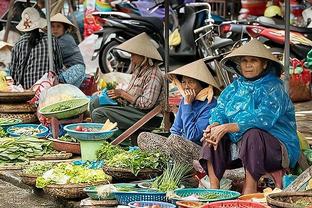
38	62
146	85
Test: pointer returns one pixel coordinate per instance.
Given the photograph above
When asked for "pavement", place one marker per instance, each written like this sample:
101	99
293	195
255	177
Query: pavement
13	193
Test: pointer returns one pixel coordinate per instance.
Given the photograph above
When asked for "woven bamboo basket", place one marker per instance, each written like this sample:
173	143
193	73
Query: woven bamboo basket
57	156
17	108
72	147
126	174
25	117
28	179
290	199
16	97
70	191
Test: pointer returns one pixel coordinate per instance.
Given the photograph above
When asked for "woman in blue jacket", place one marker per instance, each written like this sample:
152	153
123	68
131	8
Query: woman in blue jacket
256	115
197	86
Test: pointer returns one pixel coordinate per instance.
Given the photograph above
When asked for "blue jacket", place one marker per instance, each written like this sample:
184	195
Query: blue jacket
262	104
192	119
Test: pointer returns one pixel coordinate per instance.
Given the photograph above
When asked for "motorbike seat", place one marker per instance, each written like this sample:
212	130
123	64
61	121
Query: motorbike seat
155	21
221	42
280	25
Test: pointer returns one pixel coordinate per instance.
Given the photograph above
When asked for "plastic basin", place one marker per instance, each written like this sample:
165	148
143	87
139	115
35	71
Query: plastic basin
44	130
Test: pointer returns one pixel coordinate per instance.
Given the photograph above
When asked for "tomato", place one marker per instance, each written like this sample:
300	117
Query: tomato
78	128
85	129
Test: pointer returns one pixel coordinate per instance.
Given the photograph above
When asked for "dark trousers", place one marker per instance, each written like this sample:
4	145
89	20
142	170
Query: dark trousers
259	153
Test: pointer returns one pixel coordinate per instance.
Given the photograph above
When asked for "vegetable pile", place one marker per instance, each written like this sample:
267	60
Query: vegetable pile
38	169
67	138
28	131
61	107
8	121
65	173
2	132
172	177
137	160
108	151
14	150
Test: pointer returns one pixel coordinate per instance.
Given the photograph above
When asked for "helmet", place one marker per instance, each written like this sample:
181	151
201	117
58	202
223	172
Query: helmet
272	11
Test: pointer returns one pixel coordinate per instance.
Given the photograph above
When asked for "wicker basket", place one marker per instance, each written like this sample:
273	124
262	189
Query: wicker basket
57	156
72	147
28	179
16	97
17	108
25	117
289	199
70	191
126	174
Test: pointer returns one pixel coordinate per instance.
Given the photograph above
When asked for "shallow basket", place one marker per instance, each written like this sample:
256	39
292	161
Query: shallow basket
234	204
28	179
44	130
141	204
70	191
125	198
72	147
126	174
16	97
77	107
222	194
289	199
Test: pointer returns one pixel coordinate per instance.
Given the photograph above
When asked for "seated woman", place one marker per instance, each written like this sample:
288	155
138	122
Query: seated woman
74	71
30	59
183	145
144	91
257	115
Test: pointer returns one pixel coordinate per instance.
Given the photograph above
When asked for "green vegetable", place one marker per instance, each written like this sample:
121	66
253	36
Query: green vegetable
38	169
137	160
7	121
67	138
65	173
172	177
61	107
111	85
208	196
2	132
108	151
308	154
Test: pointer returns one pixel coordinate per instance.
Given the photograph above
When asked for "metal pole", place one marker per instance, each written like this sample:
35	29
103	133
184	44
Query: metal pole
8	22
287	46
166	114
48	8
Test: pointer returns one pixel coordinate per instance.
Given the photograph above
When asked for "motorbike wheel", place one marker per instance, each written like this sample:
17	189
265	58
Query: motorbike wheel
109	62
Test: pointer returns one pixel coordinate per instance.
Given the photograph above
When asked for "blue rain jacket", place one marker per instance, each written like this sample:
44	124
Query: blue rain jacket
192	119
262	104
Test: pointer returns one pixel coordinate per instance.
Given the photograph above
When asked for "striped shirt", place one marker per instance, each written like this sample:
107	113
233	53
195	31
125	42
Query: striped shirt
146	85
38	62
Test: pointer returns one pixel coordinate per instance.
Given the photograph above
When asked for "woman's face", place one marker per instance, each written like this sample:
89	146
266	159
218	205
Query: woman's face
136	59
58	29
252	66
191	84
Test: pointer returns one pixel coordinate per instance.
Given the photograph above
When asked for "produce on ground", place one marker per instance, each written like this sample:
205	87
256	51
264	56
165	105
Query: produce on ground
38	169
67	138
2	132
65	173
14	150
137	160
108	151
28	131
172	177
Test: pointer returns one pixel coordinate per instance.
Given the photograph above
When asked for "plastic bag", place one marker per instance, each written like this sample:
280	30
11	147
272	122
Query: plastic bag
105	100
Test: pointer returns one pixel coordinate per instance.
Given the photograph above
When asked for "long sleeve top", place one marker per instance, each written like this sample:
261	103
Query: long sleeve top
192	119
262	104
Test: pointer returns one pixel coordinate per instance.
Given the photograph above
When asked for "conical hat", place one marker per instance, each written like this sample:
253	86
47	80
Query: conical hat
141	45
31	20
61	18
197	70
253	48
5	44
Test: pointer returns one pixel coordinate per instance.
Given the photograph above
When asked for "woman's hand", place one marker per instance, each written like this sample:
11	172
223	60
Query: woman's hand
216	134
189	96
116	93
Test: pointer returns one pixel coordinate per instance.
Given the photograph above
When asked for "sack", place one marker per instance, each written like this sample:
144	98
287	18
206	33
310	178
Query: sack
300	86
48	80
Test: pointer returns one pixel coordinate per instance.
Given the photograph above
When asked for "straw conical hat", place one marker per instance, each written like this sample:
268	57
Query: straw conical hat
61	18
197	70
141	45
252	48
31	20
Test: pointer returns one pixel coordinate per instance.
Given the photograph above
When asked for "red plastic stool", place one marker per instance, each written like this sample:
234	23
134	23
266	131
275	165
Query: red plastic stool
55	124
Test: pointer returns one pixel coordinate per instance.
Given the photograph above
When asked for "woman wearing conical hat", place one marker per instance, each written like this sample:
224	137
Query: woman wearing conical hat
254	122
74	67
30	59
197	86
144	91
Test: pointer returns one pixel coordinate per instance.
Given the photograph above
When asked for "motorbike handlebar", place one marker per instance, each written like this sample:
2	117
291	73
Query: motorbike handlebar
202	28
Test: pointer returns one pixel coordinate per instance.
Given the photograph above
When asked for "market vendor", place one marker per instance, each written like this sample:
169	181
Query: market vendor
255	116
144	91
197	86
74	67
30	59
